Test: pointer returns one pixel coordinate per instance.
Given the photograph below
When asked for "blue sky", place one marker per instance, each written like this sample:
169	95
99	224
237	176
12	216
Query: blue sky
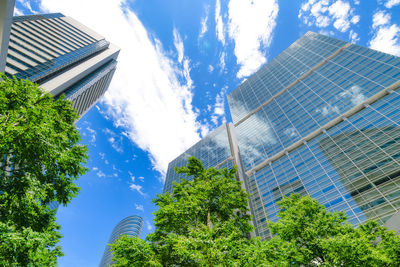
178	60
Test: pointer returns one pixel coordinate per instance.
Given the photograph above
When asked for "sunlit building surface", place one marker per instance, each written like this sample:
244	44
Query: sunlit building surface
321	119
131	225
213	150
62	56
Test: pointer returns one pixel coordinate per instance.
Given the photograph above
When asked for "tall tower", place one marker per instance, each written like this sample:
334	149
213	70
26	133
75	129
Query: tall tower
62	56
320	119
131	225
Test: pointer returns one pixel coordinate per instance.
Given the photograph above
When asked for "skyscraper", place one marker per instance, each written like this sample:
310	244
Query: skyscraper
62	56
131	225
321	119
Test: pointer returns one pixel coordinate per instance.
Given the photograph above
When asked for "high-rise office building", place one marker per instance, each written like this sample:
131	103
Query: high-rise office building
62	56
131	225
321	119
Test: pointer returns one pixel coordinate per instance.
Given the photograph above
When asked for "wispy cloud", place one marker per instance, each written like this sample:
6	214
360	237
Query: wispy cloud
27	5
18	12
251	26
203	23
100	174
149	226
93	134
139	207
219	107
386	36
137	188
150	95
219	23
178	45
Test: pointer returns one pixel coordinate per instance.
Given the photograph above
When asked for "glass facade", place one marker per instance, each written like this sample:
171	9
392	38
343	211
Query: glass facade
321	119
43	48
213	150
131	225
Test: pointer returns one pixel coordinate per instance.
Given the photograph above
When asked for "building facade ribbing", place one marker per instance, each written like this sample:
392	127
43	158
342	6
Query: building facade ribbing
62	56
321	119
131	225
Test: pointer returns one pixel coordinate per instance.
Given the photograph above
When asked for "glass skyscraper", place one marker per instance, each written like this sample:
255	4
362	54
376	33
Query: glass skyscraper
62	56
131	225
321	119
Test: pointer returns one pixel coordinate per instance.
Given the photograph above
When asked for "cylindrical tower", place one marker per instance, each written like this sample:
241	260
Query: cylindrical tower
131	225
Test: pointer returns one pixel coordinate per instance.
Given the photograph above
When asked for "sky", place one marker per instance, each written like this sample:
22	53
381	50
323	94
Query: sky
178	61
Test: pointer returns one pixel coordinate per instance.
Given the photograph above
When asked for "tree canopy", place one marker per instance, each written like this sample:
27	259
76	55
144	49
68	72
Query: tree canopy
205	222
40	158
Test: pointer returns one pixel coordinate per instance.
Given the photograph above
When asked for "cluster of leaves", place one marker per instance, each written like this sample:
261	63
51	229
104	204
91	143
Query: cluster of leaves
205	222
39	160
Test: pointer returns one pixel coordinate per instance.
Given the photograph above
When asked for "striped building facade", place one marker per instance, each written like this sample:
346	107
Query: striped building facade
62	56
131	225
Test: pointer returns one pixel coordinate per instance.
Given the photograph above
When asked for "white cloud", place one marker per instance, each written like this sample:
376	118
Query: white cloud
149	226
137	188
386	36
100	174
392	3
131	176
95	168
93	134
327	110
27	5
356	95
222	61
178	45
203	23
262	134
116	144
139	207
18	12
102	155
323	13
353	36
210	68
380	18
141	178
251	25
291	132
150	96
219	107
219	23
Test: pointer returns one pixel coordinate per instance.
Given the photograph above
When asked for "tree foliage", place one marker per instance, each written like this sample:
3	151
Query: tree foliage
316	237
39	160
205	222
134	251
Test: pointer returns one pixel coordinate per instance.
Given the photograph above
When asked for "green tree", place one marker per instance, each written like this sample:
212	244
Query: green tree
204	222
314	236
133	251
39	160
